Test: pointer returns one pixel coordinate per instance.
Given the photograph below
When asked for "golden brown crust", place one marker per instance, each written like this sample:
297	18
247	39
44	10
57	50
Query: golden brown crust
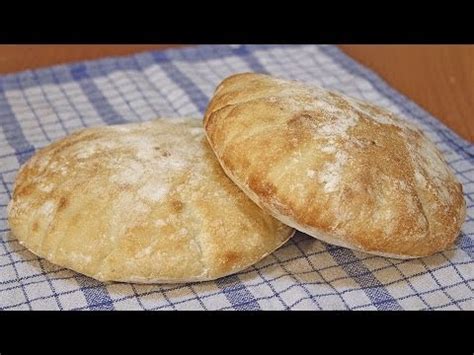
340	169
139	202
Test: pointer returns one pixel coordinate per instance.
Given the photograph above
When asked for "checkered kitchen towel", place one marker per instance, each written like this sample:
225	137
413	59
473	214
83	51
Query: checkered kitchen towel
37	107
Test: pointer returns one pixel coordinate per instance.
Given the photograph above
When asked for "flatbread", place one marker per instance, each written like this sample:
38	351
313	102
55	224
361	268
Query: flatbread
140	203
339	169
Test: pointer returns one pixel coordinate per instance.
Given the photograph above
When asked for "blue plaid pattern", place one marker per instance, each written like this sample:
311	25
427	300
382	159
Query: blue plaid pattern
37	107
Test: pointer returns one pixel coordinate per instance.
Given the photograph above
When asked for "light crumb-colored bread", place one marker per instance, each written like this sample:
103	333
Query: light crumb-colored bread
139	203
339	169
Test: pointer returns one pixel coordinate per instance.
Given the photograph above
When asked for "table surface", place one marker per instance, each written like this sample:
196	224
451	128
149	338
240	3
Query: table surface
439	78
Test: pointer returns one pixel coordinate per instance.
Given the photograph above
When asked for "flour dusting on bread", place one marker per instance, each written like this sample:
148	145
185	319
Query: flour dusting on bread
332	172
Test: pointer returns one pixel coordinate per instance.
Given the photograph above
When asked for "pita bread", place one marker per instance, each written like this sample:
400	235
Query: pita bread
339	169
139	203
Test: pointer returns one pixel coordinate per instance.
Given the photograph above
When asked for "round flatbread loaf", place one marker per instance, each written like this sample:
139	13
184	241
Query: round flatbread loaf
139	203
339	169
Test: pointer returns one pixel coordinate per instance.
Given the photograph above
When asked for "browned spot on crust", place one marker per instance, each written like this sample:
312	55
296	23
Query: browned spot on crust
366	141
347	194
229	164
231	258
177	205
262	188
34	227
165	153
25	190
301	119
124	187
63	203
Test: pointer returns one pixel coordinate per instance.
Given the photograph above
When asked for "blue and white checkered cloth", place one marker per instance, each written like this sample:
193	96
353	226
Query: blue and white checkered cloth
39	106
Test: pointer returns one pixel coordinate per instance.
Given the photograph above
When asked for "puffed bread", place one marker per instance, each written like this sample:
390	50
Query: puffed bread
339	169
139	203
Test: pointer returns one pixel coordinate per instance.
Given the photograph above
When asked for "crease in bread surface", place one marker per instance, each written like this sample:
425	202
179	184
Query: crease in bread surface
338	168
145	203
